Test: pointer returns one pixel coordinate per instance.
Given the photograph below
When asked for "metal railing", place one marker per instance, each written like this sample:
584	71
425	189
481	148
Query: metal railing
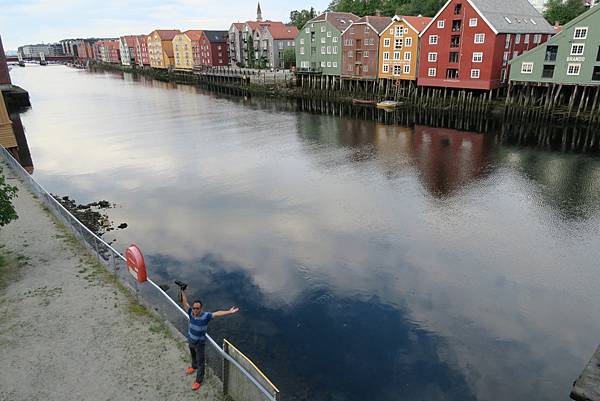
218	361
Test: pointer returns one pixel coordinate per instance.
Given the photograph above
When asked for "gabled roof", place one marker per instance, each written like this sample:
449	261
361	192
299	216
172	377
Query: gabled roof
129	39
340	20
506	16
279	30
418	23
216	36
166	34
238	25
512	16
378	24
194	34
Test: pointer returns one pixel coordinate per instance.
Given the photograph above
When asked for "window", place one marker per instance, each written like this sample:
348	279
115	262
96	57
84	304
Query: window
455	41
307	30
475	74
441	24
537	38
386	42
301	50
507	44
350	54
398	43
323	29
453	57
478	57
323	40
328	34
398	31
335	39
407	56
596	74
366	29
350	68
432	72
323	64
580	33
323	49
335	50
517	38
456	25
328	49
365	68
433	39
407	69
334	64
366	53
432	57
573	69
515	54
408	42
386	68
396	55
397	69
506	56
479	38
457	9
301	41
473	22
548	71
329	64
386	55
527	68
577	49
452	73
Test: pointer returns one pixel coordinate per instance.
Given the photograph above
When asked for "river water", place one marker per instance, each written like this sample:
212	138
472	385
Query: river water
369	261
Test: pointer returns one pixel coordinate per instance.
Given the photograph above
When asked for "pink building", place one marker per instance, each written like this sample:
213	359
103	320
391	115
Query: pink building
141	51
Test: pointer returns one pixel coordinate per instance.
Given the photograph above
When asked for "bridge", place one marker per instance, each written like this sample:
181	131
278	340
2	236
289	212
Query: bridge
66	59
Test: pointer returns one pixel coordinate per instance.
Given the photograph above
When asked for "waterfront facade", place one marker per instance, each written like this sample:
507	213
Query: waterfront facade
236	43
127	49
360	49
399	48
571	57
141	51
469	43
183	50
34	51
213	48
160	48
318	44
271	41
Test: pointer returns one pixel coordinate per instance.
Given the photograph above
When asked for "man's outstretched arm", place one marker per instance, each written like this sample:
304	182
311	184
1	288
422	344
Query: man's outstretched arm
230	311
184	301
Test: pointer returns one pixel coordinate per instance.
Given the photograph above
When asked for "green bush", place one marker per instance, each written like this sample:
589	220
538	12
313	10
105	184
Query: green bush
7	194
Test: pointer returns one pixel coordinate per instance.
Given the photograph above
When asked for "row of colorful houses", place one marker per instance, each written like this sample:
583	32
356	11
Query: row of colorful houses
468	44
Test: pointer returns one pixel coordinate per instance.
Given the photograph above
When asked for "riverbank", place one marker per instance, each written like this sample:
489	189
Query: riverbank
68	331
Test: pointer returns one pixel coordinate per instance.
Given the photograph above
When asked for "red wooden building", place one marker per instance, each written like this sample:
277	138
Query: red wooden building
469	42
213	48
360	50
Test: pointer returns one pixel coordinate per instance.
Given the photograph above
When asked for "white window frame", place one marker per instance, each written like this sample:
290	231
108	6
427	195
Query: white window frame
386	42
408	42
335	50
473	22
386	56
407	56
579	30
433	39
576	69
480	36
334	64
323	39
396	55
323	64
577	45
432	72
301	41
329	64
366	54
323	50
397	68
432	57
335	39
323	28
328	34
441	24
475	74
386	68
406	69
527	67
477	57
398	43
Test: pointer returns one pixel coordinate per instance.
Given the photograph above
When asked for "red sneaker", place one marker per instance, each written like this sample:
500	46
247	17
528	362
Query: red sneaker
195	386
190	371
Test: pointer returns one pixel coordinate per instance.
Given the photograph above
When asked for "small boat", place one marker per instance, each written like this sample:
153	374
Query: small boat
363	102
388	104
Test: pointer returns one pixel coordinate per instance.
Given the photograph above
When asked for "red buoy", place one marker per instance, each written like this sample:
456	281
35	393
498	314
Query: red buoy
135	263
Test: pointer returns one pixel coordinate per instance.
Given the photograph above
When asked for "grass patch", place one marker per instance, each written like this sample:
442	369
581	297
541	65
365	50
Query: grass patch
10	268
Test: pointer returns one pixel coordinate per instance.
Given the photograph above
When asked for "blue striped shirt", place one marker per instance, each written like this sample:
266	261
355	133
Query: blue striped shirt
198	326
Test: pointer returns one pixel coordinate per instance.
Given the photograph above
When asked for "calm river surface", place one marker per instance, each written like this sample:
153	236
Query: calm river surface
370	262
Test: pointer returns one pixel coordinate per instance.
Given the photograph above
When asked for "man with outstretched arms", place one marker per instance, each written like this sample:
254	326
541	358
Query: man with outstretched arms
197	334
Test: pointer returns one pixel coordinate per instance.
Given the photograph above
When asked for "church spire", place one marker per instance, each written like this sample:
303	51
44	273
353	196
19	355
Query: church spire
258	13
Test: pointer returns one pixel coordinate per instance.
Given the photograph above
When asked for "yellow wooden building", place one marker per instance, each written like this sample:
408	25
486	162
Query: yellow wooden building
186	47
160	48
399	47
7	135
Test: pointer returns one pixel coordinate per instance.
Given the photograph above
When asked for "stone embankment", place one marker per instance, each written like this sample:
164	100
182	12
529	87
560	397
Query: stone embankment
68	331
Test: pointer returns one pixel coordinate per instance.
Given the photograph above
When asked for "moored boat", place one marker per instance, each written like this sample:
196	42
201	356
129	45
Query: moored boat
363	102
388	104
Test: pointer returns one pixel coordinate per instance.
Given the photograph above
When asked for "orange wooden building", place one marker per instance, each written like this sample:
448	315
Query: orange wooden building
399	47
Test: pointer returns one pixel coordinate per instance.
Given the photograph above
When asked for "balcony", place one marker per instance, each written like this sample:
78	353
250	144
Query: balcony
455	41
456	25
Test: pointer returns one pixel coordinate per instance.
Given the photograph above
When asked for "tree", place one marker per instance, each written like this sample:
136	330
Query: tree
563	11
300	18
388	7
289	57
7	210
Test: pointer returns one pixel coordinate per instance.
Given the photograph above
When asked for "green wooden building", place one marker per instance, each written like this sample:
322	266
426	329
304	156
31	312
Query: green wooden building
318	44
572	57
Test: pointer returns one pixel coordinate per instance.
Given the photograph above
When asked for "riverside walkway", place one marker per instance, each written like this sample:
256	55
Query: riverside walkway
68	331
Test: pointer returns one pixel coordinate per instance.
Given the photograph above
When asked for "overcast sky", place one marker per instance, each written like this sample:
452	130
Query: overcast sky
35	21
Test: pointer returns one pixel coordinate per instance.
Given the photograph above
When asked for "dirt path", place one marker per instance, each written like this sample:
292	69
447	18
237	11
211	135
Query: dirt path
67	332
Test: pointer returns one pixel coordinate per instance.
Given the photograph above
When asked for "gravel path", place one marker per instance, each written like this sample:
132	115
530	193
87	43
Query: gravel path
68	333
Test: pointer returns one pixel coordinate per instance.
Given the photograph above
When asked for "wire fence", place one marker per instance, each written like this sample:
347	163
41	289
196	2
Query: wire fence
248	384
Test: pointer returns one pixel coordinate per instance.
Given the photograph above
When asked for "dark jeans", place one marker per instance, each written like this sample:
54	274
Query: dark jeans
197	351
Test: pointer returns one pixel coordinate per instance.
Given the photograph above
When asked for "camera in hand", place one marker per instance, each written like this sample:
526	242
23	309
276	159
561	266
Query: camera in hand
181	284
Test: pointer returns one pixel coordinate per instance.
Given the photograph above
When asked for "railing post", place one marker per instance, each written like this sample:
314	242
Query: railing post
225	366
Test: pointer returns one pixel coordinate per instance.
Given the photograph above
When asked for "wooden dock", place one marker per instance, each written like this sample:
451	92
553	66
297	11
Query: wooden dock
587	386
